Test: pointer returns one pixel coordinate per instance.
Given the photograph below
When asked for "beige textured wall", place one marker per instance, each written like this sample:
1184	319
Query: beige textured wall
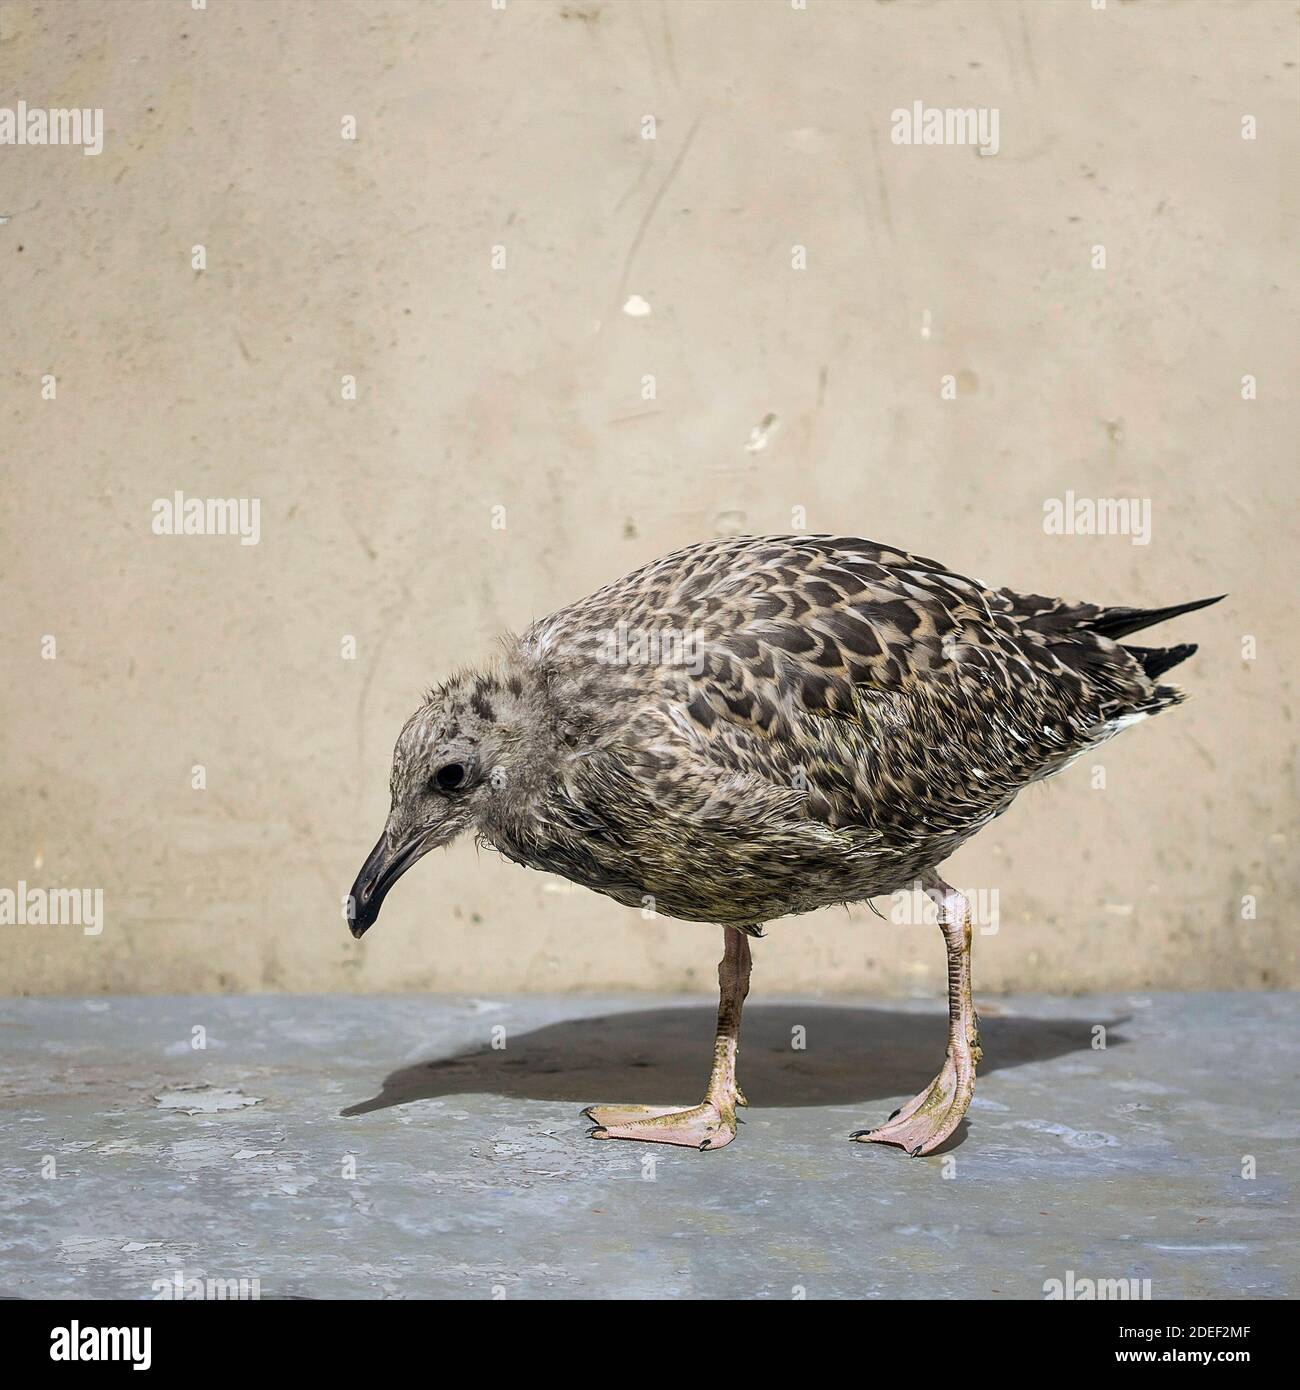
521	389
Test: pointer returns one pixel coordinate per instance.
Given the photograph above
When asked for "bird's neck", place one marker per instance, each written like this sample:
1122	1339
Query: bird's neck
529	736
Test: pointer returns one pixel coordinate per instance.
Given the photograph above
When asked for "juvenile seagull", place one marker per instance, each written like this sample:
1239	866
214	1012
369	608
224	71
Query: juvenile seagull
758	726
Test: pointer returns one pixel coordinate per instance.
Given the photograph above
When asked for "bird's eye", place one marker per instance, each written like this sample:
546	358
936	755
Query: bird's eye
450	777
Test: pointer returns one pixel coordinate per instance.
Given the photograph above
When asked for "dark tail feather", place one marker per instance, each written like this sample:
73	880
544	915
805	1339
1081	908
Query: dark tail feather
1155	661
1119	622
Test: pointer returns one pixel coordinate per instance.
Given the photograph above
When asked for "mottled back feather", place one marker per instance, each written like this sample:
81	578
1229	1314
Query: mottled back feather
763	725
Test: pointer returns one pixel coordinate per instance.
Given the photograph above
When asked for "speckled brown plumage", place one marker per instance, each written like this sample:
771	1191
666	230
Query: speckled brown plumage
759	726
859	713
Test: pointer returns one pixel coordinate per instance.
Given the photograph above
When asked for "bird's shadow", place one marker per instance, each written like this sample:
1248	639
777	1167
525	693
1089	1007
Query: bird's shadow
796	1054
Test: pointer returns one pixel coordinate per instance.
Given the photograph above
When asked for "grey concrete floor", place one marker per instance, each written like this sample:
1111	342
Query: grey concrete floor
130	1156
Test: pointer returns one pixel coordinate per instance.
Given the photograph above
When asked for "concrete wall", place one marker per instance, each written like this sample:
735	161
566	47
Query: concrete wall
521	388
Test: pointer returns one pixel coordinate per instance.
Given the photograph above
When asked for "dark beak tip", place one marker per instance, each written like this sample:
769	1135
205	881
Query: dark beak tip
362	912
382	869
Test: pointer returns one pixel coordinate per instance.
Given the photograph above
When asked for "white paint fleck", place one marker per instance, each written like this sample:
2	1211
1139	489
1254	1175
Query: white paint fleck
202	1099
126	1146
636	307
80	1248
761	435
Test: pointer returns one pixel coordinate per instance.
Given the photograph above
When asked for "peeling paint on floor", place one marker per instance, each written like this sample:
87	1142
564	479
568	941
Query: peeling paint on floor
205	1100
384	1148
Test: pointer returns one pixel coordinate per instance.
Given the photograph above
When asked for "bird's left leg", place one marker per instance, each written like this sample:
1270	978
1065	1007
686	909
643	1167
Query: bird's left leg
711	1124
928	1119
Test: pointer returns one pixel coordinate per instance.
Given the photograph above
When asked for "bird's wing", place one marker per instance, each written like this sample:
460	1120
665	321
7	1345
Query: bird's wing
891	693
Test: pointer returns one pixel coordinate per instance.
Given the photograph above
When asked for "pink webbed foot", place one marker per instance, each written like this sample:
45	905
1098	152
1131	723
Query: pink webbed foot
706	1126
928	1119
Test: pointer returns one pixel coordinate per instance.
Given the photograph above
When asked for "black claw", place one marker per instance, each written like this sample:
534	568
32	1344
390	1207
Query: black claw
899	1111
917	1150
859	1133
704	1145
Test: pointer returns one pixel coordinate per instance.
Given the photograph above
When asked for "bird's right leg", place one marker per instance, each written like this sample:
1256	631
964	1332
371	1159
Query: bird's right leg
928	1119
711	1124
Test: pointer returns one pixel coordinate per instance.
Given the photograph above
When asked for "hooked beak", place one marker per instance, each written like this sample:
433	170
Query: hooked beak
378	874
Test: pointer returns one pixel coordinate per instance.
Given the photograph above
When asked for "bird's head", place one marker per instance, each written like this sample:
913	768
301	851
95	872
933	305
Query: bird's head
453	758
